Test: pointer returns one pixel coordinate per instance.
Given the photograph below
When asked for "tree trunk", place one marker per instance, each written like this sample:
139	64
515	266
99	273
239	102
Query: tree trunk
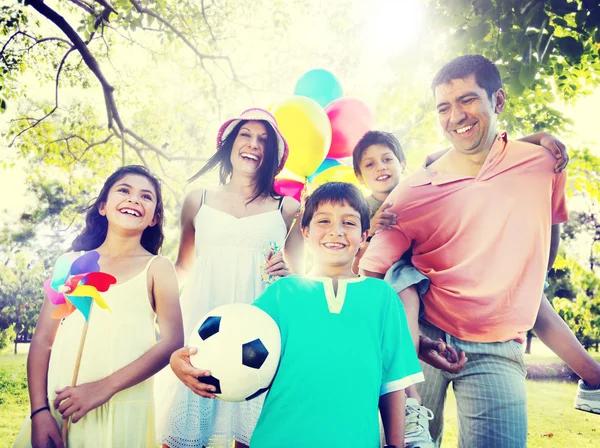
528	346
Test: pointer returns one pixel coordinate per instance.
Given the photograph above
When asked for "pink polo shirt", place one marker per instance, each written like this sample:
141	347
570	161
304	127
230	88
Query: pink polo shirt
483	241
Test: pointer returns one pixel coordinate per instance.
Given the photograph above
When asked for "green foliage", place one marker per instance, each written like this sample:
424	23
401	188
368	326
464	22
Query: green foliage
7	336
21	295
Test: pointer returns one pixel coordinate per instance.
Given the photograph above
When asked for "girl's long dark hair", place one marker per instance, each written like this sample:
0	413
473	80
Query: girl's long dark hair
266	173
96	225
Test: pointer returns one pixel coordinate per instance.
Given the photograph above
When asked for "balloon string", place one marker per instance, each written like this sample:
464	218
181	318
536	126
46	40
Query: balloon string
303	196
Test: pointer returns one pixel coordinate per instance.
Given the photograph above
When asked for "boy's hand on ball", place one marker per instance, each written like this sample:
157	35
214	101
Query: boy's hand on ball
79	400
441	355
188	374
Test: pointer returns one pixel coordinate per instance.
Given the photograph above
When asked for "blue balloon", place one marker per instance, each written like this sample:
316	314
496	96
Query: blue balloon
319	85
327	163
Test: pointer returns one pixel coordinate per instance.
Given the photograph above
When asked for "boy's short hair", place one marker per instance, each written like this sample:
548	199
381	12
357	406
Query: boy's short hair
337	193
486	73
376	138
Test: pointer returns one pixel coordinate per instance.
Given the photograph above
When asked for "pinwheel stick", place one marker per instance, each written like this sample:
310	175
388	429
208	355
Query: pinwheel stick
65	426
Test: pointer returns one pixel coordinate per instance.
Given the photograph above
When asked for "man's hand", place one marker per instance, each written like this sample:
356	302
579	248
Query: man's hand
440	355
382	220
558	150
188	374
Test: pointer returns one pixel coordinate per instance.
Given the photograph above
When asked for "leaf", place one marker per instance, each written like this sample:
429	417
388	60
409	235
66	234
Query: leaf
570	47
527	75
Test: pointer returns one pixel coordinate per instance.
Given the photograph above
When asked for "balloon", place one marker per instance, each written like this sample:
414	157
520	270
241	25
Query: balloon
350	119
305	126
319	85
327	163
340	173
289	187
287	174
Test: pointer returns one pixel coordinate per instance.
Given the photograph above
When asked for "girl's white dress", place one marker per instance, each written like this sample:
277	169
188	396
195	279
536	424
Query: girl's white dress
229	252
114	339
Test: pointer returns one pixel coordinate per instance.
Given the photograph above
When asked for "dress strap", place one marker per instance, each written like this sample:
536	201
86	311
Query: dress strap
281	203
149	263
203	198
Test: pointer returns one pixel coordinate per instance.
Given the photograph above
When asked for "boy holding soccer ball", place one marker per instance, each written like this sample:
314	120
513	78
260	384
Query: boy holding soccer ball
346	348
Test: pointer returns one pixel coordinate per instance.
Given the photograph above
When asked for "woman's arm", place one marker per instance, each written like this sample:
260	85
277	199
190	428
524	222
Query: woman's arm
294	244
186	256
85	397
43	426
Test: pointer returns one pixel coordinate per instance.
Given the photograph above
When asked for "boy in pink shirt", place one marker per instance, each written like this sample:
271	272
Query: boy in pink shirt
479	220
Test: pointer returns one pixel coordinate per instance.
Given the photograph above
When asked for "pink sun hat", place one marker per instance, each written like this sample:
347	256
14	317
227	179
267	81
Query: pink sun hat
256	114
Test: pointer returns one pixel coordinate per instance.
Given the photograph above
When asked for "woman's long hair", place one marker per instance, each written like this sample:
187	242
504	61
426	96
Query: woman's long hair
265	178
96	225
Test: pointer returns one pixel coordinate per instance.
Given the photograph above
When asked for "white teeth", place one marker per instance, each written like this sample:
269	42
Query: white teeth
130	212
250	156
334	245
383	177
463	130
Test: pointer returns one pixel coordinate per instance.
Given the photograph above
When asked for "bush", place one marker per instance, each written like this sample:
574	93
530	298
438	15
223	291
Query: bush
7	336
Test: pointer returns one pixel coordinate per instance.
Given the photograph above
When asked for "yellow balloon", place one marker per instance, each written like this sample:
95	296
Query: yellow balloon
306	127
287	174
340	173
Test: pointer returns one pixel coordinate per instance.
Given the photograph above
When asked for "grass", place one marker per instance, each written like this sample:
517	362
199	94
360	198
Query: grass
553	422
14	399
550	406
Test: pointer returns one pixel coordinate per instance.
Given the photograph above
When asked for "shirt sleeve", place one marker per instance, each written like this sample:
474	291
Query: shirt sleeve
401	366
559	203
384	250
268	301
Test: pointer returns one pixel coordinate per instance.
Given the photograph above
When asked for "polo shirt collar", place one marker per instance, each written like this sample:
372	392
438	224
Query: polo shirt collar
426	176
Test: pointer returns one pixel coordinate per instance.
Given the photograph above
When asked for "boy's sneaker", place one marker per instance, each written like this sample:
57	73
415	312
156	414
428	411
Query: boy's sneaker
417	425
587	398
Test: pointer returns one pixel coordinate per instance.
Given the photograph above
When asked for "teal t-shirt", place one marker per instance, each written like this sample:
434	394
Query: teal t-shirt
339	353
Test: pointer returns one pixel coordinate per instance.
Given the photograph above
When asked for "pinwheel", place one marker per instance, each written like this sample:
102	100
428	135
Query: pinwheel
76	283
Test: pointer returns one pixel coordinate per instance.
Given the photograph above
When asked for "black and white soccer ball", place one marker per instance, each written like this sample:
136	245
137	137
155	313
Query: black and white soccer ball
240	344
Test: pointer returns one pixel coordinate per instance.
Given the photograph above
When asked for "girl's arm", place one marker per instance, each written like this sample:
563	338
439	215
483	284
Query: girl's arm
85	397
556	334
187	244
392	408
294	244
43	426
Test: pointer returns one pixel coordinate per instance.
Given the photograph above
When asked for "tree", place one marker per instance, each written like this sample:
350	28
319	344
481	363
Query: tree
21	294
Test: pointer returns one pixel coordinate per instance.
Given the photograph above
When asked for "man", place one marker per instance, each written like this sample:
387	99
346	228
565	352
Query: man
480	219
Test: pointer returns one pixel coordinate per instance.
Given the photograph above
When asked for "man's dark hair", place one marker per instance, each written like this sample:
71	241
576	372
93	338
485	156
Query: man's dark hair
486	74
337	193
376	138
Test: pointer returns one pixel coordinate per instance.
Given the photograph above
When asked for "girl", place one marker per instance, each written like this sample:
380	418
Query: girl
112	404
225	233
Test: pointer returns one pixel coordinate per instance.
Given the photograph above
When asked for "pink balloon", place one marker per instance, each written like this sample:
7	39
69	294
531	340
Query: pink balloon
289	187
350	119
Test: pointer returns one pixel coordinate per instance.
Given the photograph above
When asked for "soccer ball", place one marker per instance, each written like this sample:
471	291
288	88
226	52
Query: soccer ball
240	344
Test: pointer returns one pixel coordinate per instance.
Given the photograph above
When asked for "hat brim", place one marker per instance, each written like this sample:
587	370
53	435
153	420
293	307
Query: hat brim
256	115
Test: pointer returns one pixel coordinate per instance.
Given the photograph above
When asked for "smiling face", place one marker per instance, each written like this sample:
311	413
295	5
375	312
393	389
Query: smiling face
335	235
130	204
466	114
380	169
248	147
